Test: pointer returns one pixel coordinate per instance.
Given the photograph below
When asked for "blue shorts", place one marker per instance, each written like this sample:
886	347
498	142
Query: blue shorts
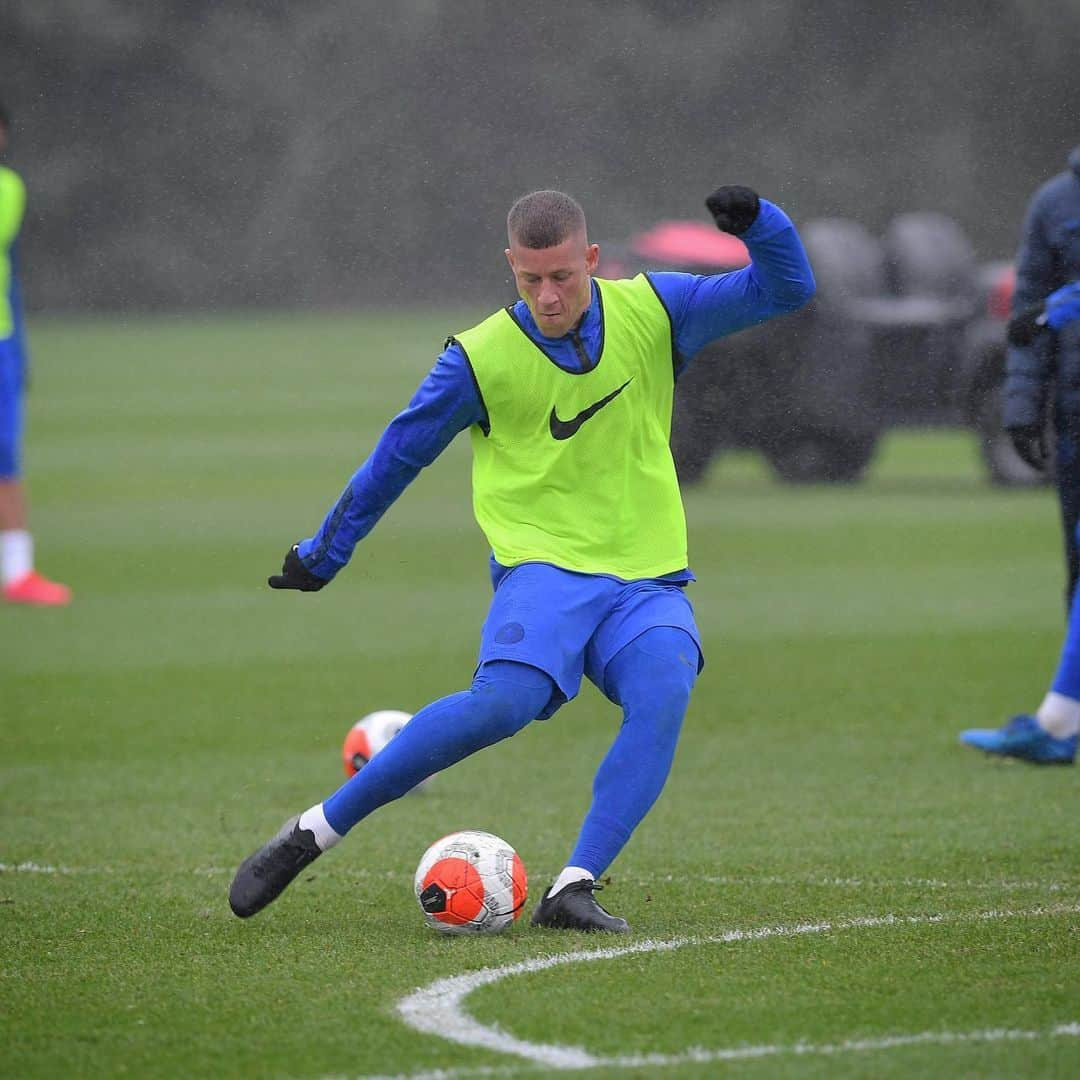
11	408
569	625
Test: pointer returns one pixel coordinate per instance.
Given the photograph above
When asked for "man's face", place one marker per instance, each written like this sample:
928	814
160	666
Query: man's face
555	281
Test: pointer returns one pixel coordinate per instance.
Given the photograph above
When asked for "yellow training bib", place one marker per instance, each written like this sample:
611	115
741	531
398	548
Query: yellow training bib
575	469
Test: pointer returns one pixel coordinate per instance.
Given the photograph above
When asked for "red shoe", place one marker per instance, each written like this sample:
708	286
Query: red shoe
32	588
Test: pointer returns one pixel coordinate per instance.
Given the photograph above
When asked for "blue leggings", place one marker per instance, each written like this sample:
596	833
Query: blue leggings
503	698
11	408
650	678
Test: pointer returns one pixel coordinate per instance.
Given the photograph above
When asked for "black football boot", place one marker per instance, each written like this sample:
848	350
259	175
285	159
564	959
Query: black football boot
575	908
262	877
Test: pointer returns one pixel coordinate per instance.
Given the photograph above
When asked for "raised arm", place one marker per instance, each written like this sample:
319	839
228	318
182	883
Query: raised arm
445	403
777	280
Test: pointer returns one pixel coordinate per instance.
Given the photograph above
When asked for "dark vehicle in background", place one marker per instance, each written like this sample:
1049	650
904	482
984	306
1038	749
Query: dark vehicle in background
905	330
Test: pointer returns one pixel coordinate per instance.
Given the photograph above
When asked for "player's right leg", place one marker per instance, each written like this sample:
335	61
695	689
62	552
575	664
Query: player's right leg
504	697
651	677
20	583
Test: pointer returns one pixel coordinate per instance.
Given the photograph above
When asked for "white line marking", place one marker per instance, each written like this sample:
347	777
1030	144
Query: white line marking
450	1074
889	1042
886	883
34	868
438	1009
742	1053
365	873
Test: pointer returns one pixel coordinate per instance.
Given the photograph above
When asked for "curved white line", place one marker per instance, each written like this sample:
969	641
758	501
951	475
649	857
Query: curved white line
438	1009
743	1053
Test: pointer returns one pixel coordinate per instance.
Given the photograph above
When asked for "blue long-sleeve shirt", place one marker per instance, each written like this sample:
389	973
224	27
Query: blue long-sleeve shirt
777	280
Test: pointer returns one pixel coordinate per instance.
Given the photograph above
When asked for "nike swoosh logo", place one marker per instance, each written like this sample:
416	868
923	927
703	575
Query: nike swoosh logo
563	429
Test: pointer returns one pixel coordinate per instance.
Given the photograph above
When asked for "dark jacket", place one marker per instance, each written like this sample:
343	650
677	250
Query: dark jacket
1049	257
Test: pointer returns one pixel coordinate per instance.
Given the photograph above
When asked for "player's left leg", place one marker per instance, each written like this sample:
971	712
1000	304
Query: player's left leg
532	657
651	678
503	698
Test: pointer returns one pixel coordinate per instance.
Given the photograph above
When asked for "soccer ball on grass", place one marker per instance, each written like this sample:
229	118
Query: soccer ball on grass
471	883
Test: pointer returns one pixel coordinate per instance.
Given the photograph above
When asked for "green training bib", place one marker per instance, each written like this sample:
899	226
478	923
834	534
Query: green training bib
575	468
12	208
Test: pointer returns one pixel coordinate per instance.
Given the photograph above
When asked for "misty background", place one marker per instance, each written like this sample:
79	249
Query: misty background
206	155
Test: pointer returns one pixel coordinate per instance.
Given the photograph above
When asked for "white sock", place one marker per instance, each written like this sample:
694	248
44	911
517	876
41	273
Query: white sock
1059	715
568	877
315	820
16	555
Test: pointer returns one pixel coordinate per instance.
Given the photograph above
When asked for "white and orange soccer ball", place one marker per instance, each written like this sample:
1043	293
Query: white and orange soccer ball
471	883
369	735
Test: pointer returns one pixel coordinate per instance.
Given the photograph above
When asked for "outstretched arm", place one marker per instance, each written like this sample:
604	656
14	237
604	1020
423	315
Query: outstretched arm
777	280
445	403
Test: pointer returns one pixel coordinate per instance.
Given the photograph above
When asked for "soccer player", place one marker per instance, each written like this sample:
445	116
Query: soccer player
567	395
19	582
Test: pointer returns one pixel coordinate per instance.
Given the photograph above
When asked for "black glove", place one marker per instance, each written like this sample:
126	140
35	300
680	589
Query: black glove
1029	441
295	575
1059	309
1025	325
734	208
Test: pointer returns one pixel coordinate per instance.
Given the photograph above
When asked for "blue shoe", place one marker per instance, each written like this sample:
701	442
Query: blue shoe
1023	738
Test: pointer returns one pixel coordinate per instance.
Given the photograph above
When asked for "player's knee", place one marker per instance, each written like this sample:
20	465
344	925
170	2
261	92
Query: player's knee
655	675
509	695
669	698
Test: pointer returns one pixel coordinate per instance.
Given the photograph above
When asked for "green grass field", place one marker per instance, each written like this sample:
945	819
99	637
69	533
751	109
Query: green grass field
851	892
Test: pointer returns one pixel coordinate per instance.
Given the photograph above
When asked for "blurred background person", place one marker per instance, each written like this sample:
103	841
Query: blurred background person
21	583
1049	735
1042	364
